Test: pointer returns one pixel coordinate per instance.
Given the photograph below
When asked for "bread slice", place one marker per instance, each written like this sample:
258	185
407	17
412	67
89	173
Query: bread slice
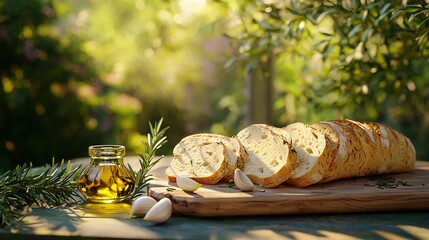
396	152
336	142
271	158
346	164
313	158
382	143
410	156
202	161
401	152
235	149
368	153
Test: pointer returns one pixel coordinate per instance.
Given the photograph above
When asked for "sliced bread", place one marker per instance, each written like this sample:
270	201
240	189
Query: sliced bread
235	149
382	143
336	142
271	159
347	164
372	148
369	156
299	154
313	154
402	152
202	161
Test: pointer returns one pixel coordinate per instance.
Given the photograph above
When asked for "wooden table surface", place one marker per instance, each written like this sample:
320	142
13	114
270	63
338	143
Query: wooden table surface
111	221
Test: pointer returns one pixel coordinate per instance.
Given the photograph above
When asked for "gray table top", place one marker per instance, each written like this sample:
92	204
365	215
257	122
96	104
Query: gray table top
112	221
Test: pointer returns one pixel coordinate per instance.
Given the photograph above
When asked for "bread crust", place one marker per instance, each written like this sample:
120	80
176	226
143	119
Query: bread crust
402	152
350	164
387	151
382	143
369	154
322	160
335	142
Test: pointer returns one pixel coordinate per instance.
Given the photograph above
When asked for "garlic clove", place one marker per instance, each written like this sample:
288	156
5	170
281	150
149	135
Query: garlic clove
141	206
187	184
160	212
242	181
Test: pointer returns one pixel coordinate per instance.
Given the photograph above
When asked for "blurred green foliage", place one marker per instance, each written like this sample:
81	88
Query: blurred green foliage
156	60
365	60
41	70
78	73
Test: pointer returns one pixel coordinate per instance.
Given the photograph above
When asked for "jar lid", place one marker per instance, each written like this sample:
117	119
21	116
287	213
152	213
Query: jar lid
106	151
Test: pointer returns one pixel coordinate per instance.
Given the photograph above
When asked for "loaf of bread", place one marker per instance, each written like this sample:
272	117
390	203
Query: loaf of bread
364	149
297	154
271	160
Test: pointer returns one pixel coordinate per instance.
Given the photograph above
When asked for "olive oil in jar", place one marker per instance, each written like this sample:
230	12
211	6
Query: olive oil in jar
106	180
105	183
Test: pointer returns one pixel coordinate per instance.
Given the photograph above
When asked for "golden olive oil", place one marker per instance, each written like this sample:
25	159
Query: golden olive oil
105	183
106	179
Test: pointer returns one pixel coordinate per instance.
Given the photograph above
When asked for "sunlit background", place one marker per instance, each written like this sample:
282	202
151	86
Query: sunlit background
75	73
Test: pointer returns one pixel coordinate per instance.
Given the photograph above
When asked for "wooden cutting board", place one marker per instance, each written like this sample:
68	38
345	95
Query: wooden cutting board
398	192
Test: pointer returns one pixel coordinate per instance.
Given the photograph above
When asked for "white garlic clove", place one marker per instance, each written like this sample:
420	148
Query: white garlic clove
242	181
160	212
187	184
141	206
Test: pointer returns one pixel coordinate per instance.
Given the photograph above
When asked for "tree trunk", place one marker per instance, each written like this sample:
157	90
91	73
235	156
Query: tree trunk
259	93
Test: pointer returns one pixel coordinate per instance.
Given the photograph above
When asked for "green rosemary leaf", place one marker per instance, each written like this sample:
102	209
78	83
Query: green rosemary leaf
49	186
155	140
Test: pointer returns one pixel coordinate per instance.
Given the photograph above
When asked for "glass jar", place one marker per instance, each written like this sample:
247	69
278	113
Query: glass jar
106	179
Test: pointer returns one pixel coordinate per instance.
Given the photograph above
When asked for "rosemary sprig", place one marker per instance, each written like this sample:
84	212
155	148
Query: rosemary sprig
148	159
53	185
